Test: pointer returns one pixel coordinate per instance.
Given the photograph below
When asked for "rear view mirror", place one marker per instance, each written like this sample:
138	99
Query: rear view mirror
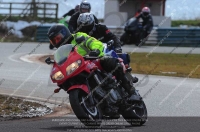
49	61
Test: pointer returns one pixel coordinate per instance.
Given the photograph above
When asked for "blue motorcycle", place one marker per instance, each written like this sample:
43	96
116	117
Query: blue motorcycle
109	50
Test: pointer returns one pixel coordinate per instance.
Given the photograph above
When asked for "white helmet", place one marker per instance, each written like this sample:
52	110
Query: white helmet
85	22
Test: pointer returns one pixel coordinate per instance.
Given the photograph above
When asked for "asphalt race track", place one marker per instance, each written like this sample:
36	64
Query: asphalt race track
70	124
173	103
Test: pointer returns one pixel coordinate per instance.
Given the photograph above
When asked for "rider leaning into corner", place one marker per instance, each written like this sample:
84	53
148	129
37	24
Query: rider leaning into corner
84	7
147	21
86	24
59	35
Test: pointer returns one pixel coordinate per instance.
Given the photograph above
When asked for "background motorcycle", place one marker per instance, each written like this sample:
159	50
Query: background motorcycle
133	32
93	94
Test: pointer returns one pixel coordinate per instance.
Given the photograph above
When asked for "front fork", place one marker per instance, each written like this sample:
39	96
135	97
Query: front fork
90	95
99	83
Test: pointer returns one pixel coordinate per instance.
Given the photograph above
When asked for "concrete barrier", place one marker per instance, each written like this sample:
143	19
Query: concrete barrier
158	36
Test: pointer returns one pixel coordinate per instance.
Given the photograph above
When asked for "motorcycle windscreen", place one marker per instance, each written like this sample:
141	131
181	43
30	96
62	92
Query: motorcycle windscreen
62	53
132	24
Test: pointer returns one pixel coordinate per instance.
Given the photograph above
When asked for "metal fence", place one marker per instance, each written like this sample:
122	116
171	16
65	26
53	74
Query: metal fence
30	9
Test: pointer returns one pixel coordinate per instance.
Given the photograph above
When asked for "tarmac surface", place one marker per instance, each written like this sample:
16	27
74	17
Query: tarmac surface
173	103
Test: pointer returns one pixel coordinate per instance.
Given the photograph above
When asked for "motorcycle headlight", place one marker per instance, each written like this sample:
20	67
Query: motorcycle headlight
58	76
72	67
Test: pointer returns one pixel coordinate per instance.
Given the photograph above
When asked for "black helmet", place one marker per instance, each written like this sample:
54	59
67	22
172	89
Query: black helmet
58	35
85	7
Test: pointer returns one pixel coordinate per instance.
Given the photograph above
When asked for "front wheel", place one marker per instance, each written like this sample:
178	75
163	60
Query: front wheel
125	38
87	114
142	37
137	115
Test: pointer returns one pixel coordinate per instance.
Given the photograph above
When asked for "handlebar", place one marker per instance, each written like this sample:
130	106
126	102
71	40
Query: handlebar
87	57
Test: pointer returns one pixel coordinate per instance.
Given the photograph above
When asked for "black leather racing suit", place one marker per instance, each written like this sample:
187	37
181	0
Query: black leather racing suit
103	34
147	23
70	13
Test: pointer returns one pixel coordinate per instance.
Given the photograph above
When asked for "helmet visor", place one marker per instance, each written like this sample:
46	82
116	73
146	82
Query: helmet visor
57	39
145	13
84	10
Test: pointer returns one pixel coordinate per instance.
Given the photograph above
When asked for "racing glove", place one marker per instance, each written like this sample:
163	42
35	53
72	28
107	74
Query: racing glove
118	50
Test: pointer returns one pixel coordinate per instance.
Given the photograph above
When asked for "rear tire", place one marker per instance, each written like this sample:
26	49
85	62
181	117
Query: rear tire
136	116
87	115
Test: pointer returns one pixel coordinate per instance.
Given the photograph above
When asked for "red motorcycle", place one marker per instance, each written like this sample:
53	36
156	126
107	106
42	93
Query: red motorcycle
94	95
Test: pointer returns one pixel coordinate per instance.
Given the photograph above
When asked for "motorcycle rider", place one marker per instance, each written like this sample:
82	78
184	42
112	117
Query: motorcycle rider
59	35
86	24
101	32
84	7
147	20
72	11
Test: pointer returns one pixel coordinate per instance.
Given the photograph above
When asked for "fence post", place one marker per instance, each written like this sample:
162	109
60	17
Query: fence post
34	9
56	12
10	10
44	11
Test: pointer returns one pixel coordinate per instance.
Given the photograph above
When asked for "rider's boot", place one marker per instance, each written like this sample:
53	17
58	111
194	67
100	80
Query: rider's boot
130	89
127	85
134	78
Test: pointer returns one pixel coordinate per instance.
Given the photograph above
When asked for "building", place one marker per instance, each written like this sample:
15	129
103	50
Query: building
117	12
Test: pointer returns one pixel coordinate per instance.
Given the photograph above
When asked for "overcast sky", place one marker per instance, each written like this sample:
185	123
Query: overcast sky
177	9
183	9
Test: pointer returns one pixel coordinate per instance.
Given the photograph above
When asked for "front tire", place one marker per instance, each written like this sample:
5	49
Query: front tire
89	116
124	38
137	115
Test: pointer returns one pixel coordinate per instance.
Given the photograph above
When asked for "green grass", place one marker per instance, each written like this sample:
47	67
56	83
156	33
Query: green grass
181	65
177	23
